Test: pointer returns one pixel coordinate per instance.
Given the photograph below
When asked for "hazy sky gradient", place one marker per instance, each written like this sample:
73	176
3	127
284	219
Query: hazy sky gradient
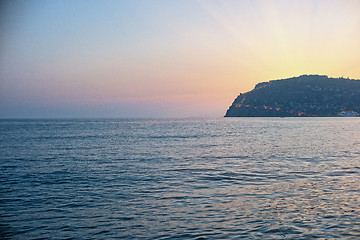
163	58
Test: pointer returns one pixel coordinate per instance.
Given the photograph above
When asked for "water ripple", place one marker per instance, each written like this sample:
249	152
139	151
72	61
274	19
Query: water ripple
240	178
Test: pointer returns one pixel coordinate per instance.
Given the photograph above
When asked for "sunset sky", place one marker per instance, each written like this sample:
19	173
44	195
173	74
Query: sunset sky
164	58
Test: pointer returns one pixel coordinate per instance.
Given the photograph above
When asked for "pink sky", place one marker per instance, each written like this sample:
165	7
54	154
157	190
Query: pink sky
165	58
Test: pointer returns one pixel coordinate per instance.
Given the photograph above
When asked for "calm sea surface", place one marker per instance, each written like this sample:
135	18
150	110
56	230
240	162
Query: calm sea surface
226	178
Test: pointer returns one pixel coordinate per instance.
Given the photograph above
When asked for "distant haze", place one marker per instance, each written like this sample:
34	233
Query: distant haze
162	58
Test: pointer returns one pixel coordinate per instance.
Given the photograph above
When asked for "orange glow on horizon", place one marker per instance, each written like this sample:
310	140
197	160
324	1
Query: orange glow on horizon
155	55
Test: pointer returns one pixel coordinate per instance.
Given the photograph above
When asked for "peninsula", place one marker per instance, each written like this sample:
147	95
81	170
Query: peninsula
306	95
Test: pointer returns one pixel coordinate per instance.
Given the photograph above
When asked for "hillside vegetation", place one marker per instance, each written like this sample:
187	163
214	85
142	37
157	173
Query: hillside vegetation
307	95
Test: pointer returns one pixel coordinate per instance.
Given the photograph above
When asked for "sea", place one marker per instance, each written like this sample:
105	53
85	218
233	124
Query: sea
220	178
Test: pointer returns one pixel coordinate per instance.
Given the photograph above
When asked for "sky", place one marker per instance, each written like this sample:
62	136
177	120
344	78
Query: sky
164	58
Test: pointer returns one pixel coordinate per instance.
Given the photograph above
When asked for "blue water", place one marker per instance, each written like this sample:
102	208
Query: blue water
226	178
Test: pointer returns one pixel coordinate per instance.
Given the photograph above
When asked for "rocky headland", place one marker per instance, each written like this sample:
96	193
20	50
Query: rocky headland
306	95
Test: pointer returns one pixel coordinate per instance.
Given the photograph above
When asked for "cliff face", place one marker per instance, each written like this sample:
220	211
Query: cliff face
307	95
